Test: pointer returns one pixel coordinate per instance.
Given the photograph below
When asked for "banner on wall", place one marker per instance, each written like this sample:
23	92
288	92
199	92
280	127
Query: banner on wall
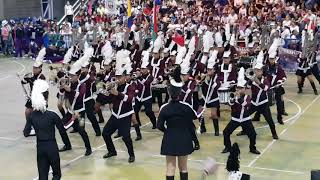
288	59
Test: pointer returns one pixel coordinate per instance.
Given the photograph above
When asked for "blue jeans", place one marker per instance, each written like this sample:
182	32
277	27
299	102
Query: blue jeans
5	48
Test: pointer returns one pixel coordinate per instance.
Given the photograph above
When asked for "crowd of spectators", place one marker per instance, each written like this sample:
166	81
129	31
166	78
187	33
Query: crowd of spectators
24	37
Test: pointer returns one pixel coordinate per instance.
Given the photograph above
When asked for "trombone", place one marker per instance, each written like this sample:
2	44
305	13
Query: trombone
104	88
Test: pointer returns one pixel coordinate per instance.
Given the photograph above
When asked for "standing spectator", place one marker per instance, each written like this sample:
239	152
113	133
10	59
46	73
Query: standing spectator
68	10
67	35
19	34
5	37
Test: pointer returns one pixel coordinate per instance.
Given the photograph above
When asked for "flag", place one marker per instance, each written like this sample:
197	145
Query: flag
155	21
130	18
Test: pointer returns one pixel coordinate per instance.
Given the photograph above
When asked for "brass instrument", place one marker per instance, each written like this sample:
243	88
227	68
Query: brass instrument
104	88
250	73
64	81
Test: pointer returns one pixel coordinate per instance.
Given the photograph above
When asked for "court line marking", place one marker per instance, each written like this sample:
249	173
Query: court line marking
276	123
8	76
93	150
283	131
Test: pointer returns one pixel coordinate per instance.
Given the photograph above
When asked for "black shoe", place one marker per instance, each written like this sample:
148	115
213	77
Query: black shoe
241	133
225	150
315	92
154	127
216	133
280	121
131	159
98	134
254	151
300	91
73	131
196	147
203	129
117	136
275	136
65	148
138	138
88	152
109	154
285	113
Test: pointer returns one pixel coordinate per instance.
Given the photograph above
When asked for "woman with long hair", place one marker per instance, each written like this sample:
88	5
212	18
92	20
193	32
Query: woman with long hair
175	120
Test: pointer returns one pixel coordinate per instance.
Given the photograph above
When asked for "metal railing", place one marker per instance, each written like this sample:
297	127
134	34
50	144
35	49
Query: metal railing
76	8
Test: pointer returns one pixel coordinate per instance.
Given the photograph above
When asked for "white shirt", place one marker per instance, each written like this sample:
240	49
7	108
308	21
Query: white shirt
232	18
68	10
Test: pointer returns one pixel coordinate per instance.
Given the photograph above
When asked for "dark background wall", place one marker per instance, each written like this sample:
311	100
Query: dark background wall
29	8
20	8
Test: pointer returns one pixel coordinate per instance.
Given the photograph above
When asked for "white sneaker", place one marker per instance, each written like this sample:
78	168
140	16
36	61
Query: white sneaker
32	132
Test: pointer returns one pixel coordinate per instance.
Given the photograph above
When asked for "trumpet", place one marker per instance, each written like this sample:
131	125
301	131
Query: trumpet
250	73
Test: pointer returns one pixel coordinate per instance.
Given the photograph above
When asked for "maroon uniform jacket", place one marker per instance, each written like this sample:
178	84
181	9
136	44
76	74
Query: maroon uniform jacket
259	92
144	87
109	75
187	91
136	60
276	75
197	68
227	74
122	103
157	68
240	108
213	90
90	82
76	97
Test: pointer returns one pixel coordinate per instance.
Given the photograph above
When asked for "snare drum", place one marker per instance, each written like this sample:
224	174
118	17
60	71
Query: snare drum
224	95
159	87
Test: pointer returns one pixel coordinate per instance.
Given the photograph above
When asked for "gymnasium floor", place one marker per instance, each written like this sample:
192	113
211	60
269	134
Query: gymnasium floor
291	157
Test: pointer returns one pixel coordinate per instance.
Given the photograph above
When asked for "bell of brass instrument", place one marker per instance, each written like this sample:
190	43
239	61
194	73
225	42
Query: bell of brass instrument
64	81
250	73
104	88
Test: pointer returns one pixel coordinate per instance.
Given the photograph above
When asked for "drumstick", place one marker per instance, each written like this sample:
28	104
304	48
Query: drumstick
205	103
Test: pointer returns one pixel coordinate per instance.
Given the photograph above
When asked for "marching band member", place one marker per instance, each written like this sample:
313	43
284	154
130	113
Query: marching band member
189	86
144	86
240	116
75	93
175	120
259	88
121	96
30	78
88	76
304	70
44	121
105	76
157	64
210	98
276	77
227	71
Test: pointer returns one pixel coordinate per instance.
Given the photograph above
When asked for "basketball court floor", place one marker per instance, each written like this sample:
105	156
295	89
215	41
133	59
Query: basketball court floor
292	157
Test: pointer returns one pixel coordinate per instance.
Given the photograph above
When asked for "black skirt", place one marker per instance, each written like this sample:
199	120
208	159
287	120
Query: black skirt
177	142
301	73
